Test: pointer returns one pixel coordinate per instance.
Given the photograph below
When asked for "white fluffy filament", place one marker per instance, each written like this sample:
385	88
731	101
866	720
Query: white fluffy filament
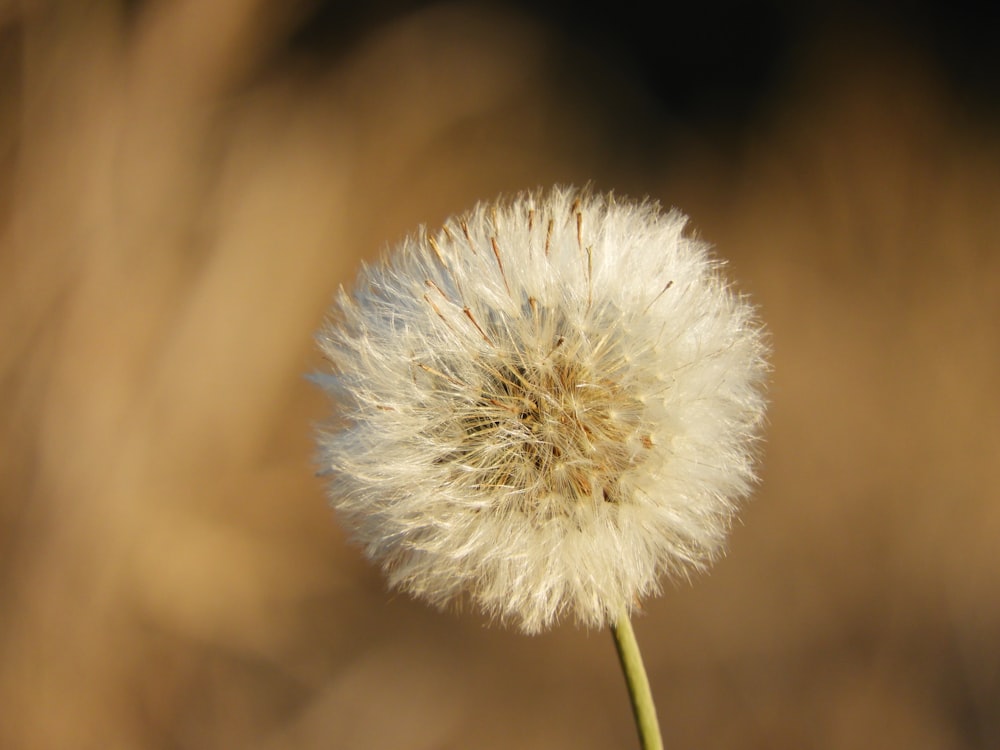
543	406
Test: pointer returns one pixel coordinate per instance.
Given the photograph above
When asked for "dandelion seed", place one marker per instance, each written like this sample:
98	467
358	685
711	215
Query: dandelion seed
573	416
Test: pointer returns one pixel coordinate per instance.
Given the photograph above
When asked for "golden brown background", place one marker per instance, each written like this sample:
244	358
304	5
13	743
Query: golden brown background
183	185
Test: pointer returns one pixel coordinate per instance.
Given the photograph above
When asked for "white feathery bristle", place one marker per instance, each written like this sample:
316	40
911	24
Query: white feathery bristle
544	406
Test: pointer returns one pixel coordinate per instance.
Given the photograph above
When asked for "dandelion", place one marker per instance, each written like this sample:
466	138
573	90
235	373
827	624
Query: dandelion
545	407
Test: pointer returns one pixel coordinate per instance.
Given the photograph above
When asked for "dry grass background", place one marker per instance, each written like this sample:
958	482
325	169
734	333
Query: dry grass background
179	198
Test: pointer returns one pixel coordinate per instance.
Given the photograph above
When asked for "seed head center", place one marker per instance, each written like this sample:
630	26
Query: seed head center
552	436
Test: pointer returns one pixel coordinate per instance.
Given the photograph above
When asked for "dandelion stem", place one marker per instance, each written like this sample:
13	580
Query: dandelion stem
638	685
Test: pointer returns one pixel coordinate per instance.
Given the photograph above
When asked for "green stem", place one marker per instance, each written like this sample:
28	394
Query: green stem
638	684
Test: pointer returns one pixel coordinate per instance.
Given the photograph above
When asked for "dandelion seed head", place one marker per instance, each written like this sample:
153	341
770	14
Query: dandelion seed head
544	407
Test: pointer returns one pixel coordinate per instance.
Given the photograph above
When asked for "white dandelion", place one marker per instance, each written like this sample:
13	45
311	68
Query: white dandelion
545	407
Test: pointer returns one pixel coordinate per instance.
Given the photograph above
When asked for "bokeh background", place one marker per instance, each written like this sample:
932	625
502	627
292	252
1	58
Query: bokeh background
183	186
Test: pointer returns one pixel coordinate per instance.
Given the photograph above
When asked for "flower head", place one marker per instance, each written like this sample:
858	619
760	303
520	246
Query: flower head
544	406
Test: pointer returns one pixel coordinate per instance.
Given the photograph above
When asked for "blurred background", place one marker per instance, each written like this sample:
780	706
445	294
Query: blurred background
184	185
